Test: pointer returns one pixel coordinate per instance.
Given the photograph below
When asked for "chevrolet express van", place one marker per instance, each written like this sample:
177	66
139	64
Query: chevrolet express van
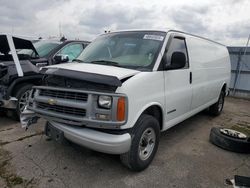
126	87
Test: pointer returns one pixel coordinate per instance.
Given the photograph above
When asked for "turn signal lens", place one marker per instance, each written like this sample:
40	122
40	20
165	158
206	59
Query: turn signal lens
121	109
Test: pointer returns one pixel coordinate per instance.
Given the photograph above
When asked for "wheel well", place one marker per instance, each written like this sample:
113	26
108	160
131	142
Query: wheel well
224	88
21	84
156	112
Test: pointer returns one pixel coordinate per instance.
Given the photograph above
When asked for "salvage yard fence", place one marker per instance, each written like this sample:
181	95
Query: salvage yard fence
240	71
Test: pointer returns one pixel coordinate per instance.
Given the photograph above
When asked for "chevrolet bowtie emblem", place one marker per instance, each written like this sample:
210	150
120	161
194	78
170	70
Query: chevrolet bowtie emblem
52	101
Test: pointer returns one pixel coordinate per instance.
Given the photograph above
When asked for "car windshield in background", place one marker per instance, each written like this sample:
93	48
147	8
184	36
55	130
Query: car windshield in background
134	50
43	48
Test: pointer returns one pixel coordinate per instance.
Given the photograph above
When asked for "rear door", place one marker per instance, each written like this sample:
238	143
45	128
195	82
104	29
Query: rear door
178	86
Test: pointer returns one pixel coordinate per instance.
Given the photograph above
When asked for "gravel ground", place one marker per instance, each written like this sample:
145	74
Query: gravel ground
185	157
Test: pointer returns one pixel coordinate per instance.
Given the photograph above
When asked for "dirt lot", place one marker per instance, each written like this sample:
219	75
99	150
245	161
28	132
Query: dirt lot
185	157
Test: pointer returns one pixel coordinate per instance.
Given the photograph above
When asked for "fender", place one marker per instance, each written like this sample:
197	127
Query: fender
146	107
22	79
224	83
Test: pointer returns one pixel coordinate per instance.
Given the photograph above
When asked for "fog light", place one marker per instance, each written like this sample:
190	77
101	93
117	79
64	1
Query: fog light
102	117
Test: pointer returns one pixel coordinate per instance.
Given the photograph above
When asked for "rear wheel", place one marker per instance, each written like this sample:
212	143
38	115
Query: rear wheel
144	144
217	108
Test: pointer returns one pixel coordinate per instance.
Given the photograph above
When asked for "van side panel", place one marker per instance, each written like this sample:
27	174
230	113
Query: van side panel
210	66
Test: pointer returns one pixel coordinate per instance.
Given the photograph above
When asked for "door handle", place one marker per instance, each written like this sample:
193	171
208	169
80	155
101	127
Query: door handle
190	78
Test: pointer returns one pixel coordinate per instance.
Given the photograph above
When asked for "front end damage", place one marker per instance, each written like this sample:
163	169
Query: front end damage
70	104
11	67
9	78
73	98
6	101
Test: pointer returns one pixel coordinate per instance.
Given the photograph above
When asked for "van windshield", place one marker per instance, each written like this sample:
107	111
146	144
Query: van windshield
134	50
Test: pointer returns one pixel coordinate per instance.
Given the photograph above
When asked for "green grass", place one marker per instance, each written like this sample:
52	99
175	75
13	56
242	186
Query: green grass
11	179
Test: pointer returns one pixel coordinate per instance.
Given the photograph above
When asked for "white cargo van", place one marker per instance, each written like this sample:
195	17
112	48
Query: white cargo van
126	87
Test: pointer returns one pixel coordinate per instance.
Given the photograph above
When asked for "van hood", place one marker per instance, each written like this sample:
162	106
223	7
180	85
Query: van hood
103	74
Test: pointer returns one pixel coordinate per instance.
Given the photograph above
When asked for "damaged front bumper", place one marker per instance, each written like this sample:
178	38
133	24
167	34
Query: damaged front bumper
90	138
94	139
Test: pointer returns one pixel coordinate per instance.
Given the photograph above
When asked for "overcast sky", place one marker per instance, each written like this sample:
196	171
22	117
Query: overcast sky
226	21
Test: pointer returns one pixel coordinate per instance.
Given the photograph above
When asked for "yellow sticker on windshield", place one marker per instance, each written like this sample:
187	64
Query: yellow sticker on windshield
153	37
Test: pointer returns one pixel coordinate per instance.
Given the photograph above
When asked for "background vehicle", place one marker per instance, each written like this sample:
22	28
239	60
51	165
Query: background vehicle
130	86
32	55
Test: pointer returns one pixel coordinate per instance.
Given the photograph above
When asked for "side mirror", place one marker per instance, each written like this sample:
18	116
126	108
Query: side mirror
61	58
178	61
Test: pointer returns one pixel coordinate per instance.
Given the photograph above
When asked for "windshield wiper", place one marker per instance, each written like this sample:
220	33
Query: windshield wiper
106	62
78	60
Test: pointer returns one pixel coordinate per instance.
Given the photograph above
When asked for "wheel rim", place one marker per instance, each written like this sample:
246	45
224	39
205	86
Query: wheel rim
147	143
23	101
220	104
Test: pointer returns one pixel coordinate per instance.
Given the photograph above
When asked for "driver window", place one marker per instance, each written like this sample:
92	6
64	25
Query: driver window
177	45
72	50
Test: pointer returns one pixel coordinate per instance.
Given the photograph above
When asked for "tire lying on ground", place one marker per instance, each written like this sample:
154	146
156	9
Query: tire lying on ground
230	139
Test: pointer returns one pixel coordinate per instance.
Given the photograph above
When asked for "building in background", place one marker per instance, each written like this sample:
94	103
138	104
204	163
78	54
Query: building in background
240	77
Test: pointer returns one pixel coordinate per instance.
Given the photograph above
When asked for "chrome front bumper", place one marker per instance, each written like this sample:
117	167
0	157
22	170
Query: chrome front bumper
96	140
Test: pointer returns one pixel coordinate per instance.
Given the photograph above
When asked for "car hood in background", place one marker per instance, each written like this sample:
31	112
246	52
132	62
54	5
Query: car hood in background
20	43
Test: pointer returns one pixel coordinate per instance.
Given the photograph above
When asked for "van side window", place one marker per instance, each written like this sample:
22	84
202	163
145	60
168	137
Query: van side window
177	45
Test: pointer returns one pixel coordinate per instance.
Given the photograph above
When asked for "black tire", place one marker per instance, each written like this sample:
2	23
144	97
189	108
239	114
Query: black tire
228	142
132	159
20	91
217	108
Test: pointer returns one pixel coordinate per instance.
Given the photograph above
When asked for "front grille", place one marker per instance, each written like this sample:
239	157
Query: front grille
64	95
62	109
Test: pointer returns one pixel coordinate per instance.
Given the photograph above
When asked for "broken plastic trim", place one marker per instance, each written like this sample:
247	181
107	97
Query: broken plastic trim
85	76
28	118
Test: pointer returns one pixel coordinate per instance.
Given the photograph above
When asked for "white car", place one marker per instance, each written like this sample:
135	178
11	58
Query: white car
126	87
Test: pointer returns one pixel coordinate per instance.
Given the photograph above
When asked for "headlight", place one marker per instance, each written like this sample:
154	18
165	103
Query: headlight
105	101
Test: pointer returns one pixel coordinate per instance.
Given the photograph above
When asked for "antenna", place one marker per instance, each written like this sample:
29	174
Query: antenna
60	30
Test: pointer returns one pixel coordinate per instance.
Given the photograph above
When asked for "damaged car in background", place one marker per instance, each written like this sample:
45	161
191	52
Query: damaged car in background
126	87
20	61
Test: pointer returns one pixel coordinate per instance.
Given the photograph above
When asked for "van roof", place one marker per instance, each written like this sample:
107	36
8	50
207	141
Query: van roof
166	30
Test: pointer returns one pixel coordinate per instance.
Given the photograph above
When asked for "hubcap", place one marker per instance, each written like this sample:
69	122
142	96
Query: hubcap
220	105
147	144
23	101
233	133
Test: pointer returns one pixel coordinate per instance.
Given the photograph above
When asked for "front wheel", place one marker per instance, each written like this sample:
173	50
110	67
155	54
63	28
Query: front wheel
22	95
145	141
